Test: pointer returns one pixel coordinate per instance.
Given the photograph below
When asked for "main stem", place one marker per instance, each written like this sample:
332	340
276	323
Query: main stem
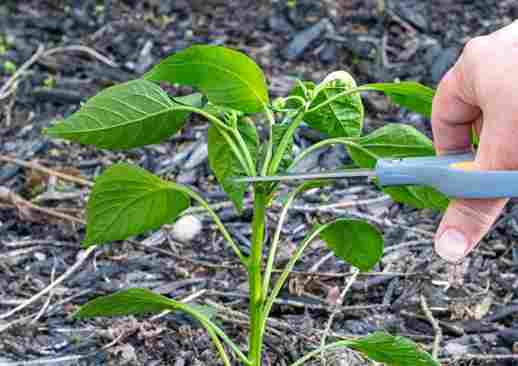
257	295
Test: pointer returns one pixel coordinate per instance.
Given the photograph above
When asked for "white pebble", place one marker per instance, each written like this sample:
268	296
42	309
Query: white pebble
186	228
40	256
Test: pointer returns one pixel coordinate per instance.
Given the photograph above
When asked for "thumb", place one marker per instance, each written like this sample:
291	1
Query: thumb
467	221
463	226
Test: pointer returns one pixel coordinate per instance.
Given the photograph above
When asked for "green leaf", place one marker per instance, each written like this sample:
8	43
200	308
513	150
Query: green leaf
227	77
408	94
355	241
393	351
397	140
127	200
127	302
125	116
225	164
340	118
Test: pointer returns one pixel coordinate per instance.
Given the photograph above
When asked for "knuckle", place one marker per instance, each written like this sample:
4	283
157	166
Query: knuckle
474	46
475	215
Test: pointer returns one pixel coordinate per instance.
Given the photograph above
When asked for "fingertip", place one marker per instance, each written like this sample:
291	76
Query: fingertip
463	226
452	245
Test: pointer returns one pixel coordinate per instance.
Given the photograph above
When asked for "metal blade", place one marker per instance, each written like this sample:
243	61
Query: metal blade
339	174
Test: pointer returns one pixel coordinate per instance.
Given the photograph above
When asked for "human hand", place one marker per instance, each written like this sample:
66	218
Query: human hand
480	91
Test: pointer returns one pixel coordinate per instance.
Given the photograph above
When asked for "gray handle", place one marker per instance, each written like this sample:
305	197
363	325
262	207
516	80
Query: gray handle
438	173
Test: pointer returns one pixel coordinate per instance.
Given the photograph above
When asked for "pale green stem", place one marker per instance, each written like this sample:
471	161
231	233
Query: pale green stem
235	149
328	347
223	129
281	149
286	272
201	112
338	96
248	158
214	331
276	237
269	149
256	300
303	87
230	343
297	98
196	197
217	344
318	145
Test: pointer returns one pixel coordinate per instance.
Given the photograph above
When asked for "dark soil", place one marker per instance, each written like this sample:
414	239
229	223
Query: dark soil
405	40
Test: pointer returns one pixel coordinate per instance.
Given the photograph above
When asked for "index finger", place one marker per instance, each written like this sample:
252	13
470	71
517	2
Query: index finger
453	115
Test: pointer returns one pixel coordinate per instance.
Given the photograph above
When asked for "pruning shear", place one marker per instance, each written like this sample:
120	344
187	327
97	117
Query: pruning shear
453	175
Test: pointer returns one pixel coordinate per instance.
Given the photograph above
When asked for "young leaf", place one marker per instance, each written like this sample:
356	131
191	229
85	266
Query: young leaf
127	200
408	94
398	141
225	164
341	118
227	77
355	241
394	140
125	116
393	351
127	302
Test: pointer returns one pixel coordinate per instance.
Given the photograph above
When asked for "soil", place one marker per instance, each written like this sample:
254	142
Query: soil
374	41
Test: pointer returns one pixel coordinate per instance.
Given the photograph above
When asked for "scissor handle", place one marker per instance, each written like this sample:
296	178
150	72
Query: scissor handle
453	175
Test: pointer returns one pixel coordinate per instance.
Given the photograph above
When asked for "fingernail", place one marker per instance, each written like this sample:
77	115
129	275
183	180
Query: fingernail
452	245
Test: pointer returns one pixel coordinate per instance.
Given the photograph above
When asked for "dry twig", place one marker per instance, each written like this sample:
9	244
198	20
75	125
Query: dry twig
435	325
9	196
335	311
36	166
10	85
52	285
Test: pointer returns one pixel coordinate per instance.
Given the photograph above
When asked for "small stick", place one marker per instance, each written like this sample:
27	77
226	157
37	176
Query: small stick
84	49
9	196
49	298
382	222
52	285
435	325
408	244
478	357
335	311
353	203
36	166
9	86
9	107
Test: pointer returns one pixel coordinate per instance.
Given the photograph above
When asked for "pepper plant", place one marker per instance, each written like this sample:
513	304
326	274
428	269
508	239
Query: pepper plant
233	97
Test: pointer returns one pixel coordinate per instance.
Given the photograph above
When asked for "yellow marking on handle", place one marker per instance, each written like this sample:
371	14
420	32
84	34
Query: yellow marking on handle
465	165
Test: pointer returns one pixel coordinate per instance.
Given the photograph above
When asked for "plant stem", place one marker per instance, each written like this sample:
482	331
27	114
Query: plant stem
238	153
318	145
269	148
276	237
215	333
246	161
244	149
338	96
286	272
281	149
201	112
196	197
254	279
